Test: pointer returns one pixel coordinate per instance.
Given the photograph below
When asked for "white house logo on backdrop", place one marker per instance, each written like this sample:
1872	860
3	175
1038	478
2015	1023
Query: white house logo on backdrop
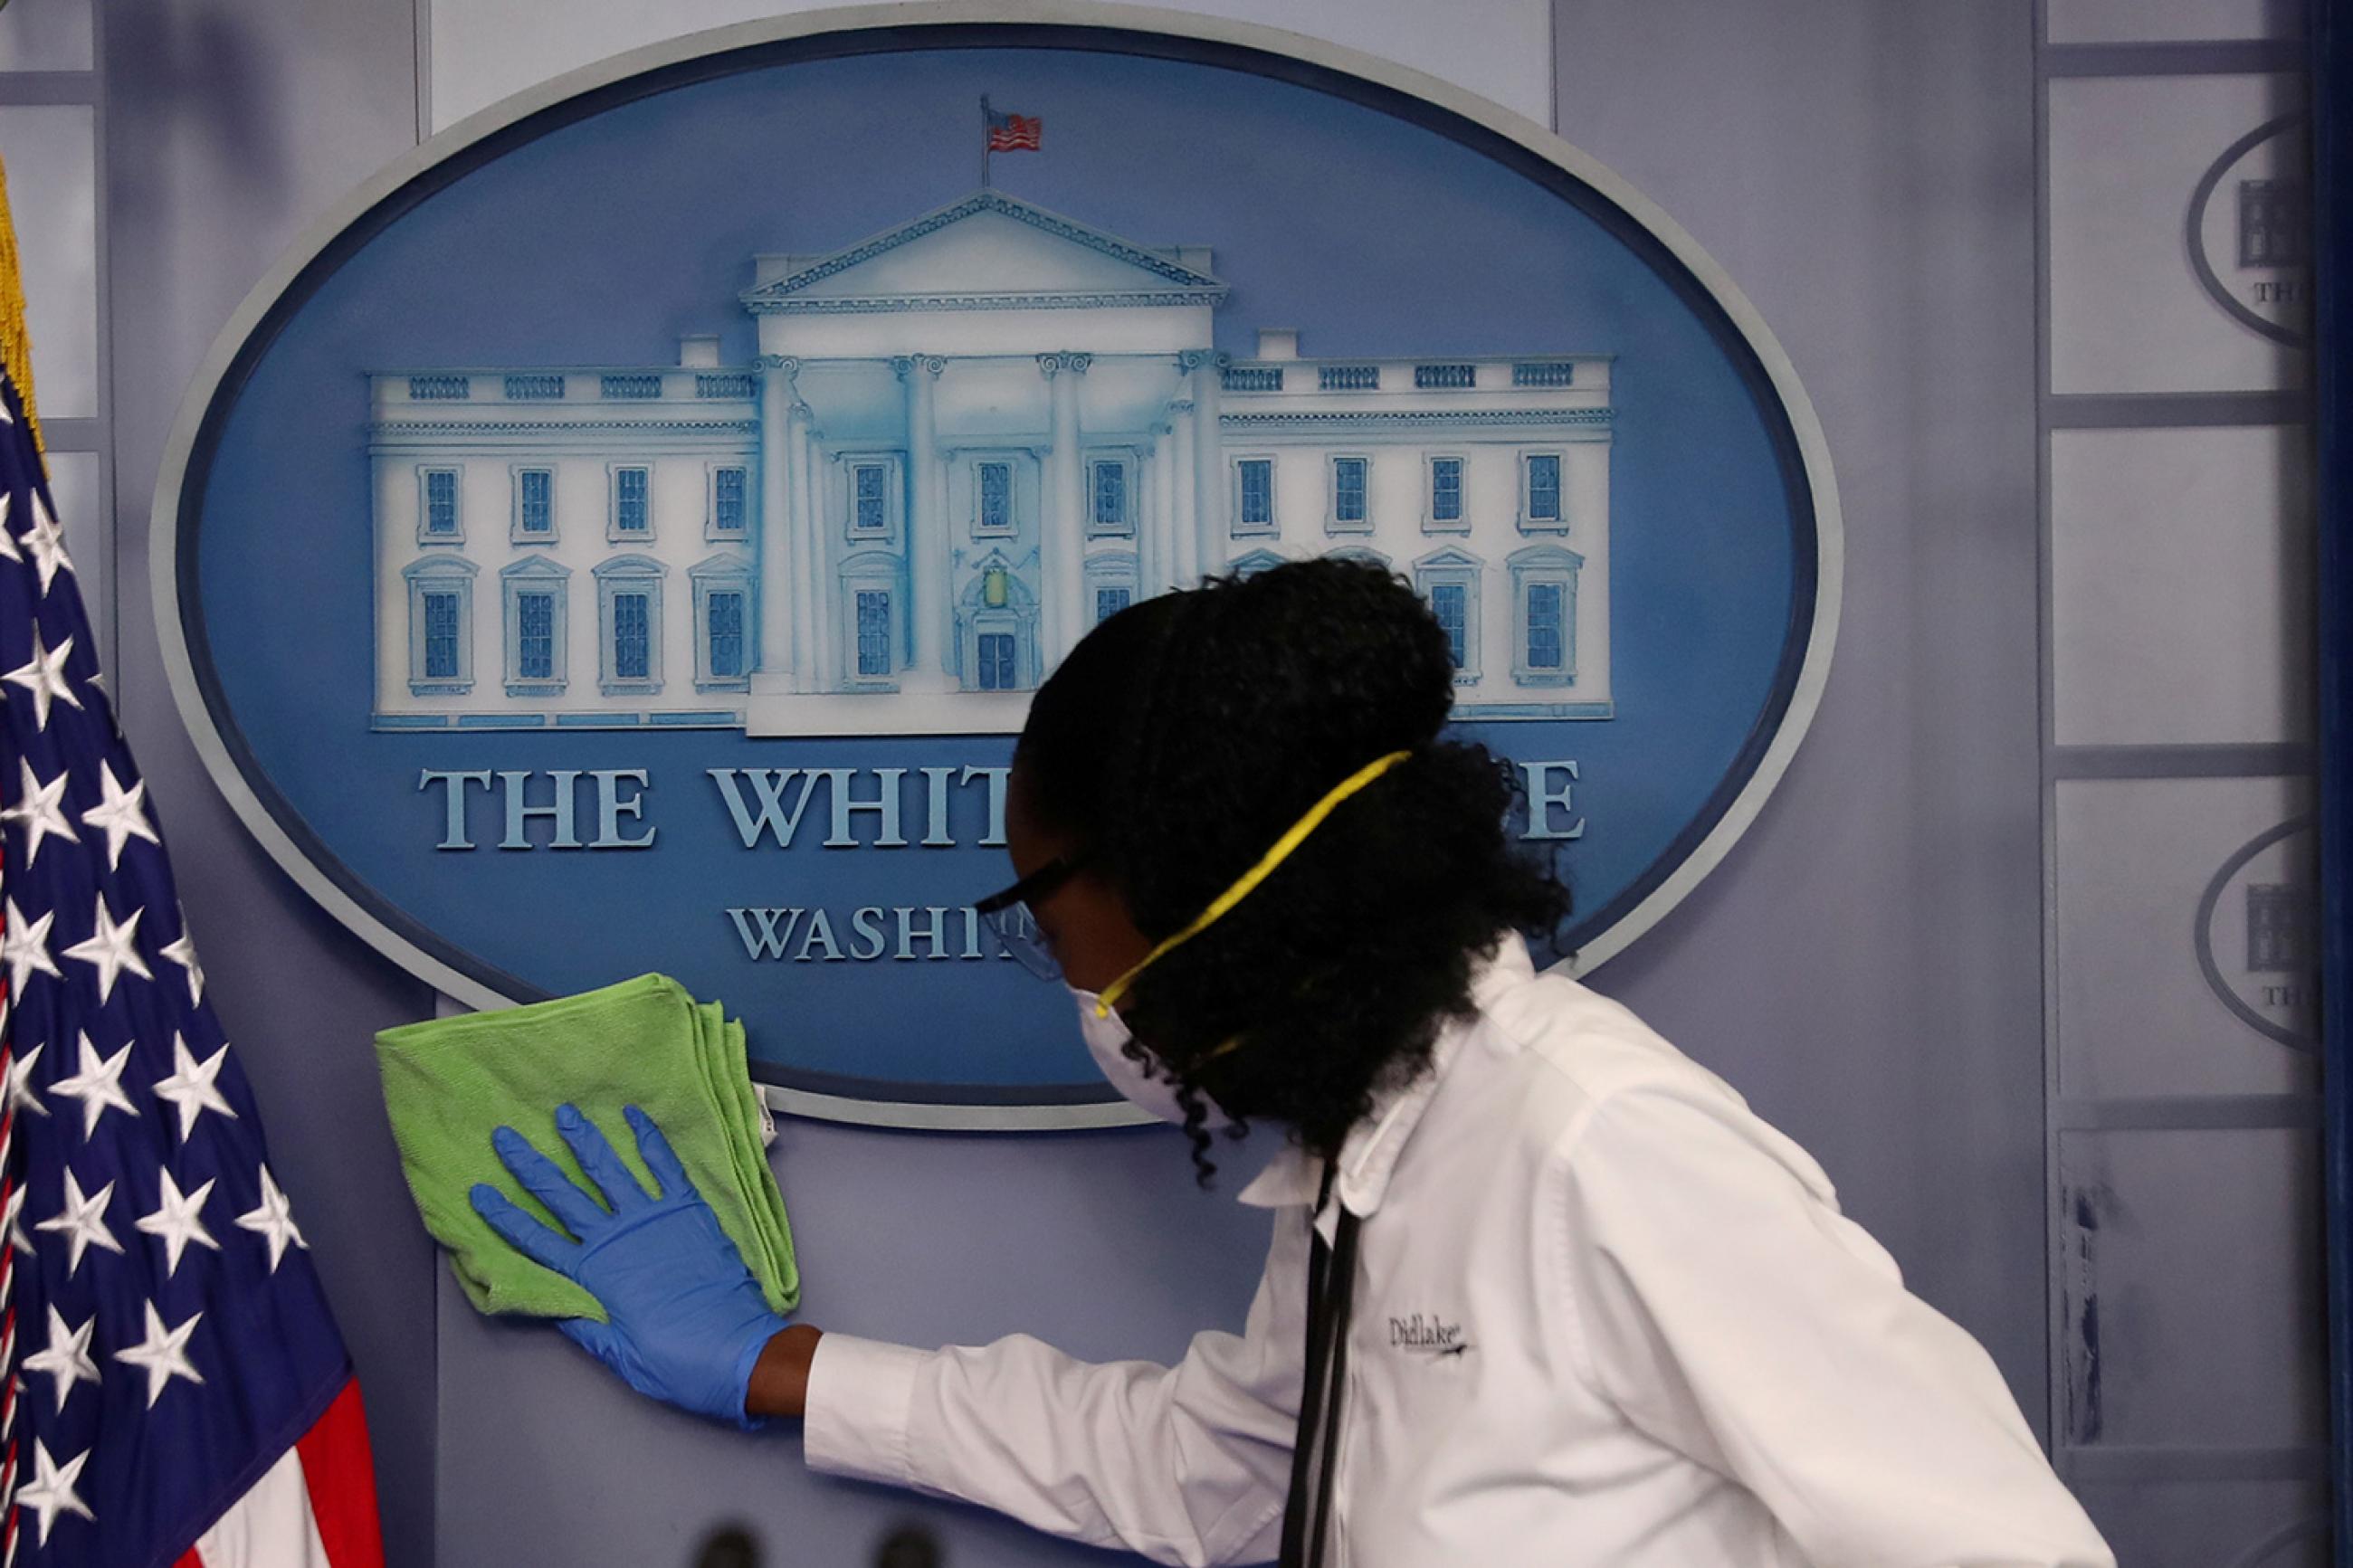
569	665
2250	227
965	442
2258	933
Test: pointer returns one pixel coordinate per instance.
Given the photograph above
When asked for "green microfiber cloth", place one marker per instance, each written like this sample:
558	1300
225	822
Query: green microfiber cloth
644	1042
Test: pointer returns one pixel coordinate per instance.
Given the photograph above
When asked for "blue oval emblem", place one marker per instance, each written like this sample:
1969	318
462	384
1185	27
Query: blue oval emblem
625	536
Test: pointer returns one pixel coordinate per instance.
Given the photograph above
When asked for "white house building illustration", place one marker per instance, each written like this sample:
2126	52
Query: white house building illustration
964	442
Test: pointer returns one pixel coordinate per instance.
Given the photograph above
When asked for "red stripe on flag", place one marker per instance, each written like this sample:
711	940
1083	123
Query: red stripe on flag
7	1262
188	1559
1016	134
341	1479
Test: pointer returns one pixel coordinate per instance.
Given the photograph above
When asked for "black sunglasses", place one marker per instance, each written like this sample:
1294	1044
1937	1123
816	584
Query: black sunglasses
1012	915
1037	886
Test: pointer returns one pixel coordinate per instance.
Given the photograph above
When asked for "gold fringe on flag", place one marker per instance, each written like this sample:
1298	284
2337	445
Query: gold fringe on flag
16	343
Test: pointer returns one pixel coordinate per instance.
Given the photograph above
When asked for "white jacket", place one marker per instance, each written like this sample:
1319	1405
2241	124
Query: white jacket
1604	1315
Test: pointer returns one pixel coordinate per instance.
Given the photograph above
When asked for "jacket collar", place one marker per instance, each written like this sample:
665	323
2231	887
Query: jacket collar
1369	1156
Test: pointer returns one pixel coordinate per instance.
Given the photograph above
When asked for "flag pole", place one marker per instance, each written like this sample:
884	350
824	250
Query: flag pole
984	140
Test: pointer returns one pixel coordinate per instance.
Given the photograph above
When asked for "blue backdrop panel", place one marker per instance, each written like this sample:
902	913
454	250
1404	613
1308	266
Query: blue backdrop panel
600	231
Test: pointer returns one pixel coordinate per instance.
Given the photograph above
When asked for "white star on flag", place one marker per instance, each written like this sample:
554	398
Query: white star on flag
45	676
178	1219
8	550
39	809
15	1220
121	816
182	951
49	543
111	949
163	1355
51	1491
82	1222
274	1219
25	947
20	1084
68	1358
190	1088
98	1085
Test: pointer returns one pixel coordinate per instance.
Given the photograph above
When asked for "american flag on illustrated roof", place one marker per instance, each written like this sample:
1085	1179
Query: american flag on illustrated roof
178	1394
1012	133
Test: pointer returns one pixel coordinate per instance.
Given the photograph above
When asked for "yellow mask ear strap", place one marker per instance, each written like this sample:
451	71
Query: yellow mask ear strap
1293	839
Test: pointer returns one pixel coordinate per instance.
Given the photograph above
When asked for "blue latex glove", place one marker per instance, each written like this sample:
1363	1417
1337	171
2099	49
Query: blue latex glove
688	1318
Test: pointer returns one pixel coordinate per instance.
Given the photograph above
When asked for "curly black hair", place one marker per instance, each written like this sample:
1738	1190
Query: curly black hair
1180	739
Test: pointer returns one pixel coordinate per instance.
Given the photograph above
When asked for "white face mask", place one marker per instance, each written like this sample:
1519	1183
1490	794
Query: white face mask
1105	1033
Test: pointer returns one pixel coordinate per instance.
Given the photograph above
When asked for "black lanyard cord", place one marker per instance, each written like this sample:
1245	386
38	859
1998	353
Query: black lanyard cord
1342	1301
1331	1292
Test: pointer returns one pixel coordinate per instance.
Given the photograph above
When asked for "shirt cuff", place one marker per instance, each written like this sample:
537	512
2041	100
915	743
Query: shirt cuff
861	1396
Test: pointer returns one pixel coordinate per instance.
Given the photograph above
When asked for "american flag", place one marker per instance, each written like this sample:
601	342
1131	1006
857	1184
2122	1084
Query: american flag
178	1394
1011	133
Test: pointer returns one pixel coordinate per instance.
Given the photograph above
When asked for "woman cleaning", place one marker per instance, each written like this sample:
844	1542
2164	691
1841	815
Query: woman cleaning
1541	1290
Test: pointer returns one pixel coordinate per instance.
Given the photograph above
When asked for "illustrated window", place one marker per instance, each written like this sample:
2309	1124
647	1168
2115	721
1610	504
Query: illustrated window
534	504
630	599
1350	506
1254	495
1450	601
730	500
998	658
869	498
535	635
993	491
632	502
441	622
873	631
632	635
1445	493
1448	581
440	523
1544	645
723	623
1540	502
1544	632
1109	497
440	625
721	594
534	590
1111	579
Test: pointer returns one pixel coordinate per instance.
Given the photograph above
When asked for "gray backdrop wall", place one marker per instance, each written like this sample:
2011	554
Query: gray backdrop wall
1868	965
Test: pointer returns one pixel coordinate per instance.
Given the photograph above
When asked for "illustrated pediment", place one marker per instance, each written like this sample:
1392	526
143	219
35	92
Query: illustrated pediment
988	251
725	563
535	566
1545	555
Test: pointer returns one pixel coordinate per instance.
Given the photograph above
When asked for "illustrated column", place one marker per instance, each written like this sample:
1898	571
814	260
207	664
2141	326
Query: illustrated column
1156	568
1063	562
1208	460
779	578
807	559
1184	523
928	571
